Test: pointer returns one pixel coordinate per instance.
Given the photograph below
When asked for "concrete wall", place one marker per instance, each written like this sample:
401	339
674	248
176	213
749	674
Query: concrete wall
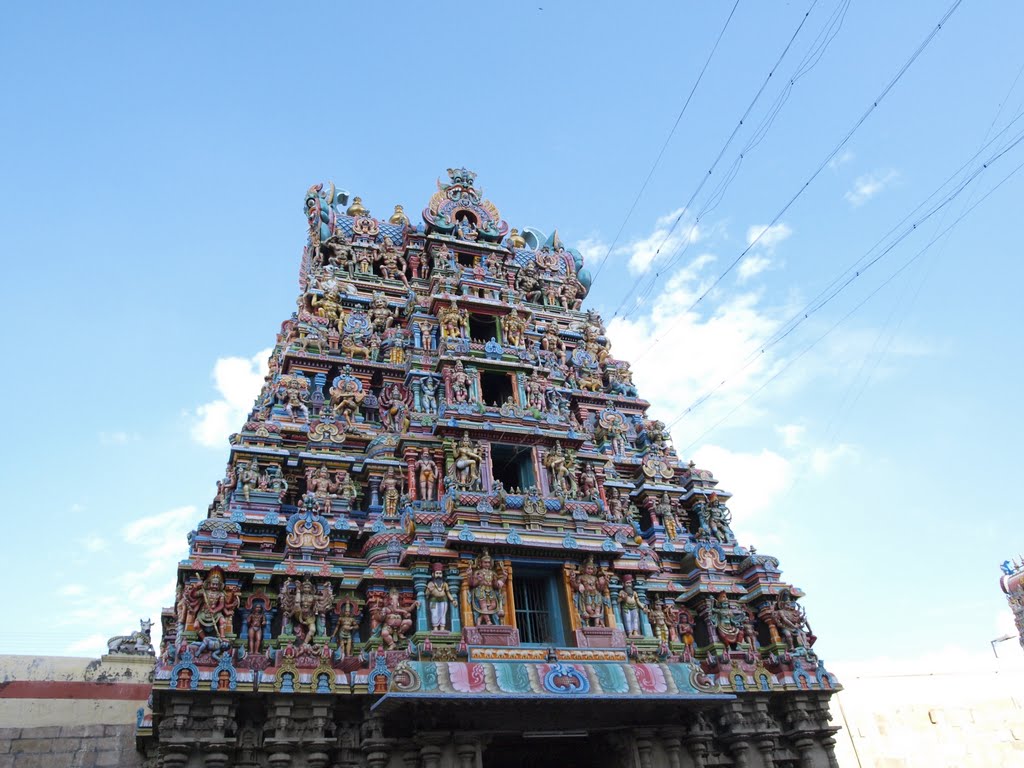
62	712
968	715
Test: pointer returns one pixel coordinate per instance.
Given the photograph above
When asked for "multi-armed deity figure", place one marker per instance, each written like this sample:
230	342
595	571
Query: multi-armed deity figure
561	469
789	619
486	590
394	620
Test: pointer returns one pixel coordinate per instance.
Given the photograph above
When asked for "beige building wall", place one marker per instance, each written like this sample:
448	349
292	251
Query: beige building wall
968	714
58	711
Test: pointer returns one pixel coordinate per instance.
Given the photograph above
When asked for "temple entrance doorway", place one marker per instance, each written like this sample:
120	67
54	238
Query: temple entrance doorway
583	751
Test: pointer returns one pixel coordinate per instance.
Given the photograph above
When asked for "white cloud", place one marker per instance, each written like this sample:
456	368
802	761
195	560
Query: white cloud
93	645
238	380
841	159
867	186
792	434
150	531
823	460
71	590
751	266
757	480
768	237
662	243
94	543
118	438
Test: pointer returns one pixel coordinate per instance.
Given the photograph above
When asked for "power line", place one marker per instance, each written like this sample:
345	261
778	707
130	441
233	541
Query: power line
855	271
664	146
810	59
856	307
828	158
725	147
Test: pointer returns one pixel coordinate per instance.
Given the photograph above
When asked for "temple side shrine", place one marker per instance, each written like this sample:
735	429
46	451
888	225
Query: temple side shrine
449	534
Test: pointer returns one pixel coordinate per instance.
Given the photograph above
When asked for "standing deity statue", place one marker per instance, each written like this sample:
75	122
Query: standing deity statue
714	518
536	386
390	262
328	307
391	491
591	593
429	394
486	590
588	484
665	515
459	383
213	606
346	628
514	327
257	621
630	606
426	474
561	470
319	483
465	466
439	596
659	621
452	321
614	512
569	294
551	342
393	407
790	621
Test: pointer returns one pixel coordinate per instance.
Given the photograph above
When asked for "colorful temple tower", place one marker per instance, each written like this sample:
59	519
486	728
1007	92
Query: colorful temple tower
1012	583
449	535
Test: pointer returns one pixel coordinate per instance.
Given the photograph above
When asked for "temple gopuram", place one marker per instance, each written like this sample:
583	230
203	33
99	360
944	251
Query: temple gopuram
1012	583
449	535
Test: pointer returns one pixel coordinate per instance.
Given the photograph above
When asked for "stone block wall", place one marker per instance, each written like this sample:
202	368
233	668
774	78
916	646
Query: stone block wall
69	746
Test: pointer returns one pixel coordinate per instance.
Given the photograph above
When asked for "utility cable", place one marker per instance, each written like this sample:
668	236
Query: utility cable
828	158
664	146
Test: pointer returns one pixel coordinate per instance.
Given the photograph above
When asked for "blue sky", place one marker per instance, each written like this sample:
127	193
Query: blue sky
154	165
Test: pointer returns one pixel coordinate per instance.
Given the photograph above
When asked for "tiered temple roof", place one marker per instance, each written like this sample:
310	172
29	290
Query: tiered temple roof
449	488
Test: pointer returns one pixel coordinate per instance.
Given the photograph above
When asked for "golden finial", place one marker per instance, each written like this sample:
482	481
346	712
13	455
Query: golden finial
357	209
516	239
399	217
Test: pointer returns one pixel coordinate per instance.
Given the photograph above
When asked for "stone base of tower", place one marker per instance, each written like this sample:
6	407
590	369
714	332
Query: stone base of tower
247	730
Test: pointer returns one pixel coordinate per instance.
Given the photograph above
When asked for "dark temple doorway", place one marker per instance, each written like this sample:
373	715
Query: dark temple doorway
549	751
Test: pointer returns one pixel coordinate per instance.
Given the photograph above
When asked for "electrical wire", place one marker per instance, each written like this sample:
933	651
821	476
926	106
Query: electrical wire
664	146
855	308
828	158
724	148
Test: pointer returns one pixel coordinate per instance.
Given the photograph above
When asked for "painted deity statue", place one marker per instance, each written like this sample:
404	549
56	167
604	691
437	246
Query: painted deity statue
452	320
459	383
727	618
319	483
561	470
394	620
659	621
714	518
391	491
381	316
790	621
439	596
514	327
390	262
346	628
665	516
591	593
213	605
486	590
429	394
465	466
248	478
552	342
257	621
535	387
393	407
630	607
588	484
426	474
529	283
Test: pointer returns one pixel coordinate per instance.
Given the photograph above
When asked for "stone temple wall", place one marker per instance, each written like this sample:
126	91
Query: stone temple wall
62	712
